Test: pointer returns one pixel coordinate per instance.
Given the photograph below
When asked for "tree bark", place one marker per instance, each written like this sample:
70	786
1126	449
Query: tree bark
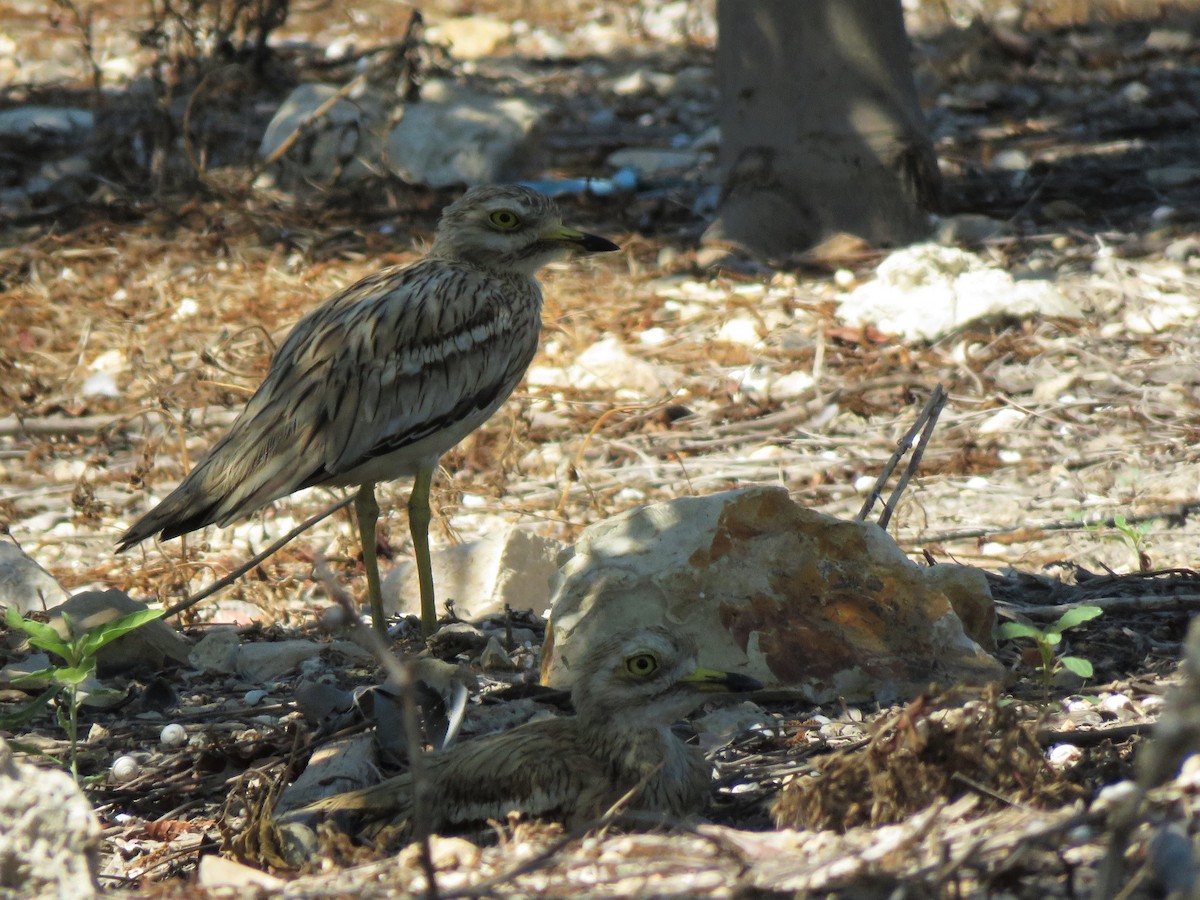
821	131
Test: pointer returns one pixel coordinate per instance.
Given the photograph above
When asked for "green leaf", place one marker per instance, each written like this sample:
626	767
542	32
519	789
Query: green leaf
1077	616
103	635
1010	630
1080	667
34	677
28	712
1051	637
76	674
40	635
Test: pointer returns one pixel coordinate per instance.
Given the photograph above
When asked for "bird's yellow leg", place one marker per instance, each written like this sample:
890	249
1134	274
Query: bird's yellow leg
419	516
366	510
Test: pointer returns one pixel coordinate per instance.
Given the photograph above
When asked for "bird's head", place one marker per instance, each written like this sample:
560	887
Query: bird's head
648	676
509	229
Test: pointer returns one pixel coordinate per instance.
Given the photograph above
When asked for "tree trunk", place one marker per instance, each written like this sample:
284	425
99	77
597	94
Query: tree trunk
821	131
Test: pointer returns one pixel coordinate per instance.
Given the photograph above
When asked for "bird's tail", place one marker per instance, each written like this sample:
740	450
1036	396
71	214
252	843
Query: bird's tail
390	798
185	509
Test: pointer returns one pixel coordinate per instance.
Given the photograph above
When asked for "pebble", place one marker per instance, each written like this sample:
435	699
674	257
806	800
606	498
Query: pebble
1064	756
1114	796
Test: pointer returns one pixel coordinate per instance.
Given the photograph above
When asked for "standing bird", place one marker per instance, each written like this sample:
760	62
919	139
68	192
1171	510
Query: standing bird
387	375
628	691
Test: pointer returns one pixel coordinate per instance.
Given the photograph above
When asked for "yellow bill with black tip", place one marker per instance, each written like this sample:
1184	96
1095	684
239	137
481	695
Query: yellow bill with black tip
715	680
578	240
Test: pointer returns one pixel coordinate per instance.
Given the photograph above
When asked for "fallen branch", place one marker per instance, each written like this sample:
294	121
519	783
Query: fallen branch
19	426
1176	516
400	673
925	423
1131	605
245	567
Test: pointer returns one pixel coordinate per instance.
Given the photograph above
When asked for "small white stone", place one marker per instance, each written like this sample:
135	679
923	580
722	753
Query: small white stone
1136	92
752	380
845	279
100	384
1009	456
791	385
1063	756
1003	420
864	483
978	483
111	361
653	337
766	452
740	331
187	308
1115	795
124	768
254	697
1115	702
332	618
1189	773
173	735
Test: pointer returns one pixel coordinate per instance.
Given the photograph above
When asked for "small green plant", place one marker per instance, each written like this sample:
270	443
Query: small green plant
69	681
1133	536
1047	640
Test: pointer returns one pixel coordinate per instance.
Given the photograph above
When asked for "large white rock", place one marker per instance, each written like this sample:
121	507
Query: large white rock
924	291
456	136
24	584
345	143
266	661
49	834
153	643
512	567
470	37
770	589
607	364
47	127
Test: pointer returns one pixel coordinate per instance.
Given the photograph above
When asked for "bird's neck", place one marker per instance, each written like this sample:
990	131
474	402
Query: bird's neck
667	774
631	748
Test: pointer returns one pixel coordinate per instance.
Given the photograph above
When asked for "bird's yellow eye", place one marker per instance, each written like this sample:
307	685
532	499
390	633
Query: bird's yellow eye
505	218
642	665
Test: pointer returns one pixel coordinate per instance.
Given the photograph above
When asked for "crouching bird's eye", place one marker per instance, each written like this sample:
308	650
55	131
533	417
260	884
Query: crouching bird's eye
504	218
642	665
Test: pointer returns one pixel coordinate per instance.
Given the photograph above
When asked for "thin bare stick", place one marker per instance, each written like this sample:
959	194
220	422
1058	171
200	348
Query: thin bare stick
400	672
1118	605
937	399
933	409
245	567
309	120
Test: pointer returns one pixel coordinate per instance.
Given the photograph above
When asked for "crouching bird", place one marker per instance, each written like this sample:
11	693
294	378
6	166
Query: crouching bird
386	376
618	746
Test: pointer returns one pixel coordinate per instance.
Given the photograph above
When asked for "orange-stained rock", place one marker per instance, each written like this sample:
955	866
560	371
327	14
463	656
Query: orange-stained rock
768	588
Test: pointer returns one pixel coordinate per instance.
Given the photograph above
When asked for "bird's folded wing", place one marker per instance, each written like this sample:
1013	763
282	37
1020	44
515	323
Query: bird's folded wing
438	350
382	365
541	769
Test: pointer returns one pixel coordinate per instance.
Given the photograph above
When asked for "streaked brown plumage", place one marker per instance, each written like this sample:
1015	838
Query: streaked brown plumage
386	376
629	690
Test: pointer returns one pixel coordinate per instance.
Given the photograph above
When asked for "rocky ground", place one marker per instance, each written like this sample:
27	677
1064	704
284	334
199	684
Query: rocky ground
147	276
